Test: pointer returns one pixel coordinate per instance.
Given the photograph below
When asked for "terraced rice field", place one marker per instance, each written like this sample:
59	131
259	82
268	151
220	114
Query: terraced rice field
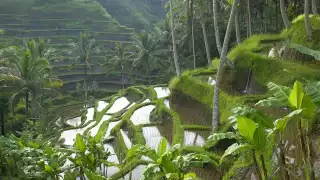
130	122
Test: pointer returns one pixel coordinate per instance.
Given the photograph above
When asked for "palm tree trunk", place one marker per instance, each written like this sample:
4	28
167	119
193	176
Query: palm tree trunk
284	15
223	57
85	79
203	26
314	7
149	73
307	19
249	19
27	106
192	31
238	35
216	26
277	19
122	81
175	54
2	121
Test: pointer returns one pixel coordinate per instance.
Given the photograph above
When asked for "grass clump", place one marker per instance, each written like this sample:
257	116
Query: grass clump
297	32
249	54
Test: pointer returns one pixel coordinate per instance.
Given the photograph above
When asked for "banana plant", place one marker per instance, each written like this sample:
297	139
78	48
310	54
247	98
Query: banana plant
253	145
252	138
167	163
303	111
89	154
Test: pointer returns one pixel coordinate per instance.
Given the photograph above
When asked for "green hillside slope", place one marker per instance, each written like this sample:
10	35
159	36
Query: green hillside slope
61	21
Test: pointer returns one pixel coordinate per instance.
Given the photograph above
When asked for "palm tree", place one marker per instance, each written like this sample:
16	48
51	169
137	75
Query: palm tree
204	31
223	58
284	15
307	19
192	32
27	74
174	48
249	19
149	50
216	26
237	27
83	49
121	59
314	7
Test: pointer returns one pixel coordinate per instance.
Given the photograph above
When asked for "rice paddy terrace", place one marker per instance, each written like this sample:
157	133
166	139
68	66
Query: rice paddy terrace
61	21
137	115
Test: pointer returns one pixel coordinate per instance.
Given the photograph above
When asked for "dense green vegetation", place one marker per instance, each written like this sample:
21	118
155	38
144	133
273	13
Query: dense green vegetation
144	89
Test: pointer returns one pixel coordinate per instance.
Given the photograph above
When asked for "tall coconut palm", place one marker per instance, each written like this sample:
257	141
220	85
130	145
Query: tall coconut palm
307	19
314	7
174	48
216	25
284	14
83	50
149	50
201	5
237	26
223	58
120	60
27	75
206	43
192	34
249	19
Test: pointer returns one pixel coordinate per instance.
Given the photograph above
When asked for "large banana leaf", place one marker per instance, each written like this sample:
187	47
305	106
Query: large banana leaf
313	89
305	50
296	96
235	149
280	96
216	137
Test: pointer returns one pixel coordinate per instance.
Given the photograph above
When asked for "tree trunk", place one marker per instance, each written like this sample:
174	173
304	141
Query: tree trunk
216	26
249	19
237	26
314	7
204	31
122	81
2	121
192	31
27	106
284	15
277	19
85	79
175	54
223	57
149	73
307	19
